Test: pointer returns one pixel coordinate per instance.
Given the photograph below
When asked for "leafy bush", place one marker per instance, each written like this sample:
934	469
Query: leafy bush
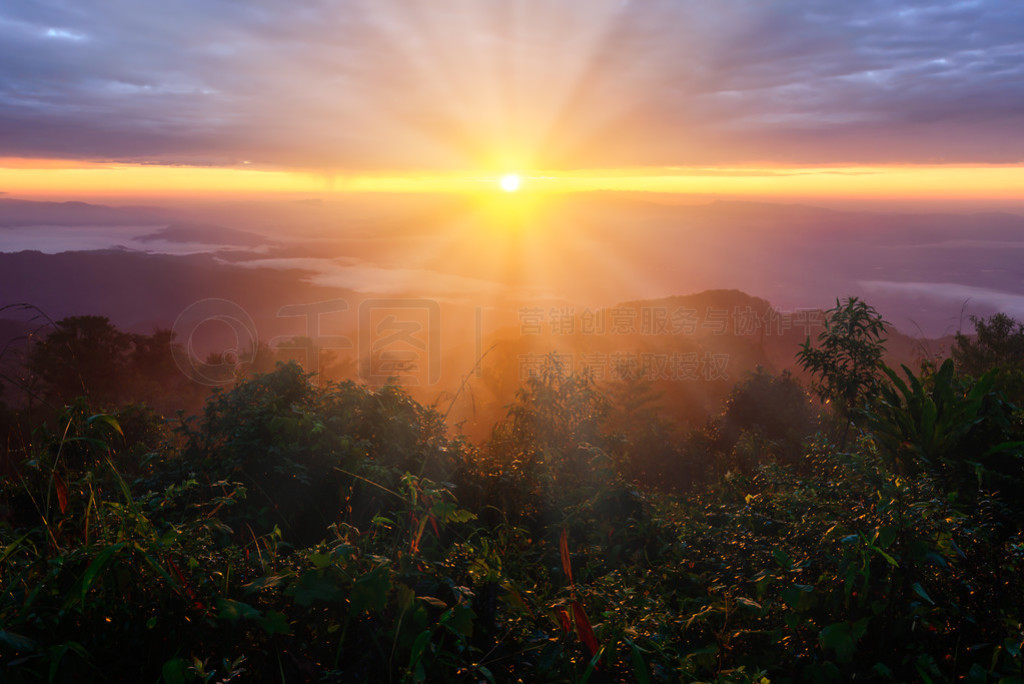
845	364
957	430
772	413
307	455
295	533
997	346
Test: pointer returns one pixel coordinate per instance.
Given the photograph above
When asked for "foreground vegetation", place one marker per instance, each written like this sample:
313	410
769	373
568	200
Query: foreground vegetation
300	533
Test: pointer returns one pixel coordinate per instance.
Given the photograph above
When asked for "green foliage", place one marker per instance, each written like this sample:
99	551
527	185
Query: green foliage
922	422
997	342
88	356
844	573
554	411
551	462
301	533
957	430
997	345
845	364
307	453
772	414
83	355
646	445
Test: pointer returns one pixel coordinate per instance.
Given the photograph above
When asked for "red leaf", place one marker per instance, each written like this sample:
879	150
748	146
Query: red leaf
184	583
563	617
62	492
563	548
584	629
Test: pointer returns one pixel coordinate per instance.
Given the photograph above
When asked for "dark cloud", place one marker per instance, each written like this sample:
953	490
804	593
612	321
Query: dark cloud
428	83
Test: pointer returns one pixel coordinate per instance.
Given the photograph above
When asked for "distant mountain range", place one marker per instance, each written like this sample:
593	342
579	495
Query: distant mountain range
15	212
925	272
595	279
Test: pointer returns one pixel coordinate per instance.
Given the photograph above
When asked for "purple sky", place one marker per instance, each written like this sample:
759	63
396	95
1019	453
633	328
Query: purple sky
398	84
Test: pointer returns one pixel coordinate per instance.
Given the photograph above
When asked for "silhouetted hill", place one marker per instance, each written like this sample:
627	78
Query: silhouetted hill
692	349
15	212
138	291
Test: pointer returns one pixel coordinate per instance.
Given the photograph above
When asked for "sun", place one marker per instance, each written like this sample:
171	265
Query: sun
510	182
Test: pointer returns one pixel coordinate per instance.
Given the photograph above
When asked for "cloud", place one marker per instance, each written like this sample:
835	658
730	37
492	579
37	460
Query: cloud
346	274
356	84
952	295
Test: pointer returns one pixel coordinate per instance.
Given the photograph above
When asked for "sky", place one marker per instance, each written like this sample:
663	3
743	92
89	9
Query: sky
736	96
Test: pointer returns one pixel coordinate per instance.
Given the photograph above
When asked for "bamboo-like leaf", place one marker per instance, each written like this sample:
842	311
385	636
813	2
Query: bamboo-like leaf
108	420
592	665
640	670
899	384
11	548
153	563
16	642
997	449
97	566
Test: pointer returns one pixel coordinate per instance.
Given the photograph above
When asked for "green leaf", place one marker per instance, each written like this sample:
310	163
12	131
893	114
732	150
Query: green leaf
382	520
883	671
977	674
267	582
461	620
275	622
234	611
371	590
435	602
461	515
11	548
487	674
418	647
96	567
640	671
798	597
152	562
860	628
314	586
57	652
919	590
748	603
16	642
997	449
404	596
889	559
175	671
886	536
107	420
839	638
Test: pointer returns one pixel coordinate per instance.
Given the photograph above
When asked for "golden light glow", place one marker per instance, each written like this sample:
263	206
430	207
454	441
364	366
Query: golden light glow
510	182
72	179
